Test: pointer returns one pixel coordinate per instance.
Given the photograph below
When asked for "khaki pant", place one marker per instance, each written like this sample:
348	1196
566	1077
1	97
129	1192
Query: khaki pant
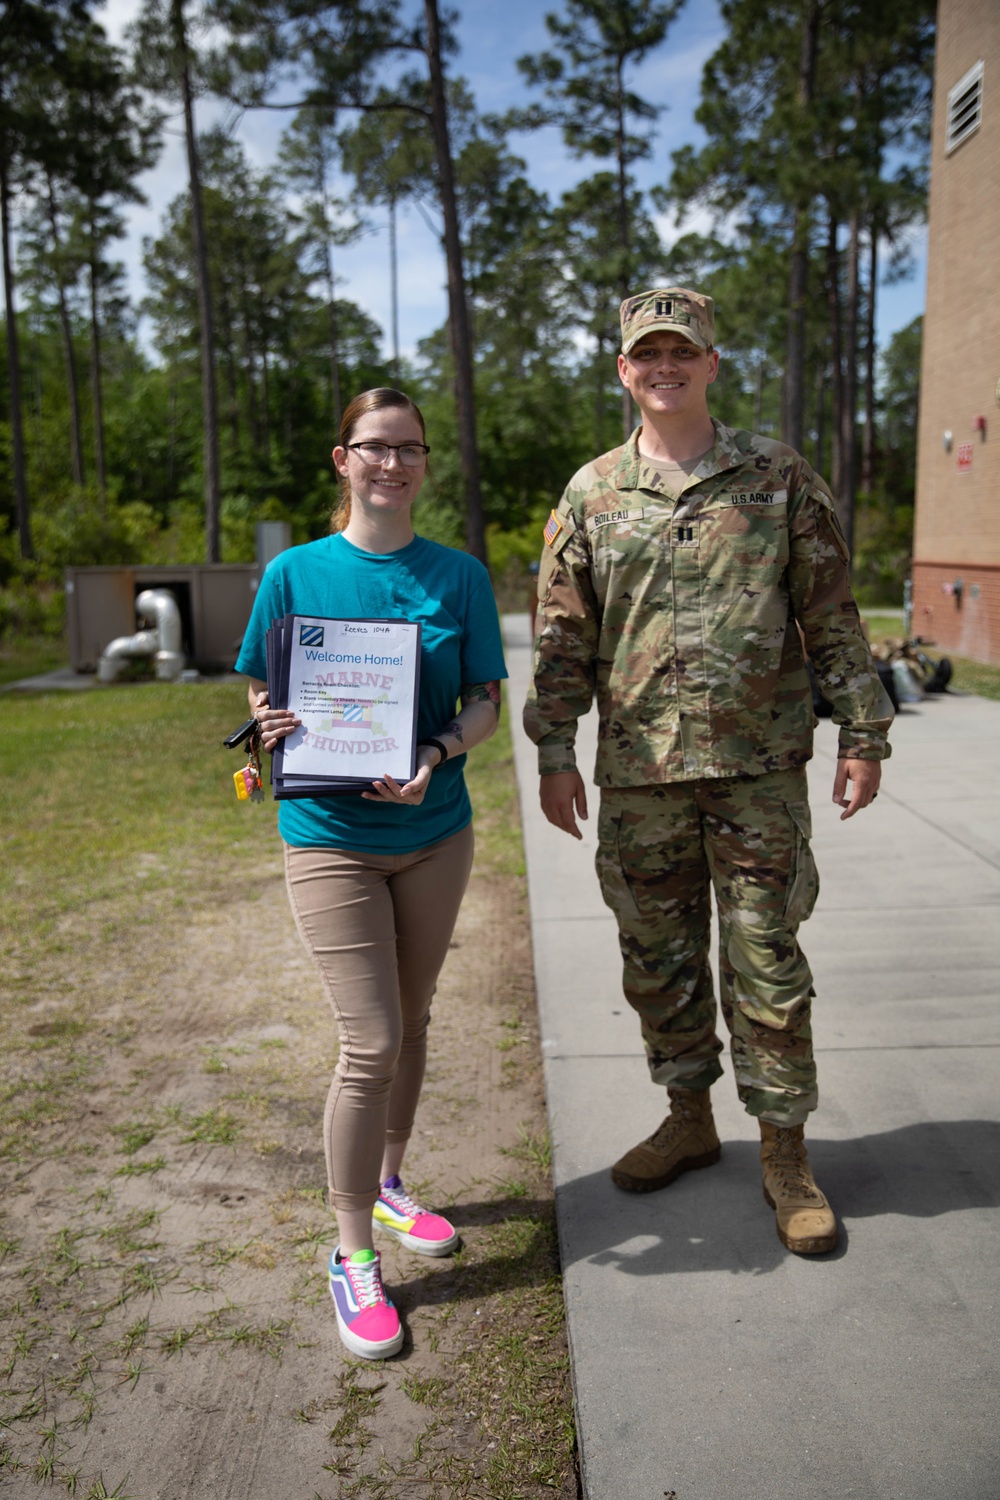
661	849
378	927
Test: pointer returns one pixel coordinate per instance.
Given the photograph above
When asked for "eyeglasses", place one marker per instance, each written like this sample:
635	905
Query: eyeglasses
410	454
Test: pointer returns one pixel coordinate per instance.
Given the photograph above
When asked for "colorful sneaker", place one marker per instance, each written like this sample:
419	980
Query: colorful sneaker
367	1321
411	1225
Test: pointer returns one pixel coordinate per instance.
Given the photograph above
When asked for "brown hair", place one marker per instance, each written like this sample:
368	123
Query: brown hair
380	399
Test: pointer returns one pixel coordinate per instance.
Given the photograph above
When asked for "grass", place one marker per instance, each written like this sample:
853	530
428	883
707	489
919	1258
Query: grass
113	788
120	831
976	677
31	657
76	836
969	676
490	777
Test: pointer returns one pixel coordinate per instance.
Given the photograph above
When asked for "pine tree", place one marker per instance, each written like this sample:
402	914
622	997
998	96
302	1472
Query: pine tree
389	154
803	105
309	151
584	79
30	43
341	51
168	67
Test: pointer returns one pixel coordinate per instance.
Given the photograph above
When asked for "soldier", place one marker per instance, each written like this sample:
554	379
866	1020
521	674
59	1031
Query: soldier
680	576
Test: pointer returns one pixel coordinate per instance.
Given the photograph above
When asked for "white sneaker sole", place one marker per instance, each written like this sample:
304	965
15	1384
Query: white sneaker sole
422	1247
365	1348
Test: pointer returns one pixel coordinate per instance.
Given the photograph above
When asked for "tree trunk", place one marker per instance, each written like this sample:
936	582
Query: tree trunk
868	440
172	447
36	371
14	366
75	443
820	417
228	356
849	405
333	341
836	353
394	288
624	240
266	394
96	393
599	379
793	404
458	309
206	330
249	358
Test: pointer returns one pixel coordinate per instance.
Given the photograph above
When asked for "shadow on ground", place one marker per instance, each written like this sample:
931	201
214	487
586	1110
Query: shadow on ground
517	1256
717	1219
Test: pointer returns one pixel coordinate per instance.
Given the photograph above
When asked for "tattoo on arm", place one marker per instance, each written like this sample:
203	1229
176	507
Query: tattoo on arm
481	692
455	729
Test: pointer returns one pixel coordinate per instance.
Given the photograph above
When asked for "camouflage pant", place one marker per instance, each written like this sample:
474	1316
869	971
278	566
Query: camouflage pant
659	850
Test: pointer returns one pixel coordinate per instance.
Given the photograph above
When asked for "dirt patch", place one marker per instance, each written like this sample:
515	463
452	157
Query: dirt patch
168	1329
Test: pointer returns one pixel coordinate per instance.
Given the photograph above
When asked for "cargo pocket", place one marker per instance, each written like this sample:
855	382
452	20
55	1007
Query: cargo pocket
615	885
803	882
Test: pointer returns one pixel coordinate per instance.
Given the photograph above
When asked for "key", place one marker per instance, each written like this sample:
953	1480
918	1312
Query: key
241	735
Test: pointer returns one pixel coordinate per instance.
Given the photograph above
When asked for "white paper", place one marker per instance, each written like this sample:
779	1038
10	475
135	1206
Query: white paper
351	682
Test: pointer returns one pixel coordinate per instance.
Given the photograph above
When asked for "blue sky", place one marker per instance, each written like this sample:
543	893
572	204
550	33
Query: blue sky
492	35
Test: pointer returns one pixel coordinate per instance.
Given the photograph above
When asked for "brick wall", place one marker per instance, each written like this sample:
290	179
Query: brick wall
964	621
957	530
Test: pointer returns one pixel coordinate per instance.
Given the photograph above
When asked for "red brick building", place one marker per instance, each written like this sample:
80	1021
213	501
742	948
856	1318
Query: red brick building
956	565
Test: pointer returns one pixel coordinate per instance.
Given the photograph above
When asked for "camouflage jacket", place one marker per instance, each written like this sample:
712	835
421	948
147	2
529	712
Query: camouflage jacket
682	617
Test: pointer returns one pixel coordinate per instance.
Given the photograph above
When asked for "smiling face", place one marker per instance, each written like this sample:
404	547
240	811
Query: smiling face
387	488
668	376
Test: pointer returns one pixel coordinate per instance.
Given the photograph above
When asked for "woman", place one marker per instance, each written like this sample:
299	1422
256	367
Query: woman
375	880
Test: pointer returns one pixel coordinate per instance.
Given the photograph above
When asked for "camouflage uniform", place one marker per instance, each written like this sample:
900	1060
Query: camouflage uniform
681	614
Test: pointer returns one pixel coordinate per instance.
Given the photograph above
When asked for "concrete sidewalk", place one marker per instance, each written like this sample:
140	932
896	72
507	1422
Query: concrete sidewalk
708	1363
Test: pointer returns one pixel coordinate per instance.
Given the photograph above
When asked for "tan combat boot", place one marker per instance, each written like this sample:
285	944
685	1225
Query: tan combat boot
686	1140
806	1222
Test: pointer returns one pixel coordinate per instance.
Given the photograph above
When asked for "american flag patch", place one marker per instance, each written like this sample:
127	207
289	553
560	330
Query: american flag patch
553	526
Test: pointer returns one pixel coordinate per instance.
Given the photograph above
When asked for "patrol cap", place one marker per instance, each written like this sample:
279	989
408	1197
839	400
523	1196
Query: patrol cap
671	308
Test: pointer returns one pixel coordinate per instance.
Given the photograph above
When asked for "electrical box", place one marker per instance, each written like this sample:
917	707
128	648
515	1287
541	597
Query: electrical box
214	599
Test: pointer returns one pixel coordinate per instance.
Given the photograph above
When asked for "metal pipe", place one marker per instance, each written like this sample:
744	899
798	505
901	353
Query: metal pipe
163	642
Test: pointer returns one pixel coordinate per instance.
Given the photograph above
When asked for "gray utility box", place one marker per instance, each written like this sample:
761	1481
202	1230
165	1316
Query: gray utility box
215	600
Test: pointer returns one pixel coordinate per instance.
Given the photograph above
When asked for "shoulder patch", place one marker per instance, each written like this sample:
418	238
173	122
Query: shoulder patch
558	529
776	498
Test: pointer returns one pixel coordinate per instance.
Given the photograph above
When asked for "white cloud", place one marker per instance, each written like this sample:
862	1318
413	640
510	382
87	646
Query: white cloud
491	39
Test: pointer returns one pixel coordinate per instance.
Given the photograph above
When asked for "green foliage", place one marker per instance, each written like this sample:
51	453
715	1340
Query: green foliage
29	611
899	398
544	277
817	118
883	538
883	544
583	77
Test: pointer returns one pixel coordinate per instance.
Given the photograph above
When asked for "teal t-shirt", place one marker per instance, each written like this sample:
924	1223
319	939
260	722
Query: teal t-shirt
449	593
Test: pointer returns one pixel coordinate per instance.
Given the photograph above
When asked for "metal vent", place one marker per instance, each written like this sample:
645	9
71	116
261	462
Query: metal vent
965	107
